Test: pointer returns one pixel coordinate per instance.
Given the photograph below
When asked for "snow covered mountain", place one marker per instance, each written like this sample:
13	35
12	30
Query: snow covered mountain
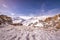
39	21
18	20
27	19
46	21
34	20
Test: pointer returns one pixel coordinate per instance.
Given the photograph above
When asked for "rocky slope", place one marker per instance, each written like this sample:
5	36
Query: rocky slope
53	21
5	19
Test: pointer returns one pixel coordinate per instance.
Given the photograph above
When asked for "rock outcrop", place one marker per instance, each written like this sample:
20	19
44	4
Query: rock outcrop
54	18
5	19
17	24
53	21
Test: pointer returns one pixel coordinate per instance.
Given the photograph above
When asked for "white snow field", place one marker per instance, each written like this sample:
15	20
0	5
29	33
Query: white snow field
27	33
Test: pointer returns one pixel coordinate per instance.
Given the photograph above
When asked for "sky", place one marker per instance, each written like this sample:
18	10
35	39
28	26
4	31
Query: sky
29	7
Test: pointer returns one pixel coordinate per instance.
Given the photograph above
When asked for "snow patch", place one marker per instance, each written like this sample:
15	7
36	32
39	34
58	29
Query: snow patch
39	25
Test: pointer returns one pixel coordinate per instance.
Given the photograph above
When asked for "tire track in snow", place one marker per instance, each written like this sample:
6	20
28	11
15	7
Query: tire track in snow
14	34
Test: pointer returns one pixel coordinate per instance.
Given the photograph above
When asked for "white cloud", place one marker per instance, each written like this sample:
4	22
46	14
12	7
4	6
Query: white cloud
53	11
4	5
32	15
25	17
49	12
45	14
12	14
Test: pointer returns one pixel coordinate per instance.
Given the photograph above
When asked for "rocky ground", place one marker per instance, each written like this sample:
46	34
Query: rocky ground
27	33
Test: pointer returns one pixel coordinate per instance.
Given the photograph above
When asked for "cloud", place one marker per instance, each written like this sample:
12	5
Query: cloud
53	11
40	13
4	5
48	12
25	17
31	15
12	14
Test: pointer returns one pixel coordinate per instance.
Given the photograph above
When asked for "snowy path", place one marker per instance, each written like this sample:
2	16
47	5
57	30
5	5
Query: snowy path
15	34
